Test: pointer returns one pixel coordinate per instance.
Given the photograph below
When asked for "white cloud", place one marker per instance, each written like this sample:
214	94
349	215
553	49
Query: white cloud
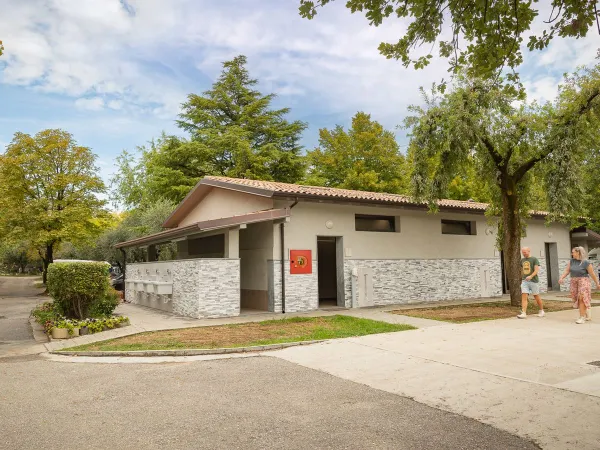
143	60
91	104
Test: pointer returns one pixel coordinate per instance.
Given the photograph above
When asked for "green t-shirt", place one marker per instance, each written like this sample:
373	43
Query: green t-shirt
528	266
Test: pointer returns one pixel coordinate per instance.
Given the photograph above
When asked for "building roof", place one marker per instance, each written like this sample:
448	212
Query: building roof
205	226
277	190
274	188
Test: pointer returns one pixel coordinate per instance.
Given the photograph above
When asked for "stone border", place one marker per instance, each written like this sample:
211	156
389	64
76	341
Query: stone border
186	352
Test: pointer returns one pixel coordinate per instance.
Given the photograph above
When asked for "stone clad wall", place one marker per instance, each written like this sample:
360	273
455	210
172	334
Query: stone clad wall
201	287
301	290
411	281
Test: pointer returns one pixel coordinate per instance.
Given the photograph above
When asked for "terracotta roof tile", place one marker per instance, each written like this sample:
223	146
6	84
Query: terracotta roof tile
343	194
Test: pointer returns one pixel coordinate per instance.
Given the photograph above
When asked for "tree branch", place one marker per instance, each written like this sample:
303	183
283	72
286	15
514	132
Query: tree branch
521	171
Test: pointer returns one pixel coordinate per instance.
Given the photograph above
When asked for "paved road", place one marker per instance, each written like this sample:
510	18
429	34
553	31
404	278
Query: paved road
18	296
529	377
245	403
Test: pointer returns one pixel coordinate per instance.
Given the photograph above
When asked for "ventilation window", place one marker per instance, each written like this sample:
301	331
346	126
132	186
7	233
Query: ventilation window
458	227
382	224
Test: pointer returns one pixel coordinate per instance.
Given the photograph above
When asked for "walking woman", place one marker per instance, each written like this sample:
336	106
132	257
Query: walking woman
580	270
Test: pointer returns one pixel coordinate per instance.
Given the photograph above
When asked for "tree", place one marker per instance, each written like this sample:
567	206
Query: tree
1	48
493	31
16	257
510	145
130	225
233	132
48	191
591	187
366	157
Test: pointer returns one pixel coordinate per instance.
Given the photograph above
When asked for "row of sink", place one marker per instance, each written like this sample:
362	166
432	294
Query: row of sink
151	287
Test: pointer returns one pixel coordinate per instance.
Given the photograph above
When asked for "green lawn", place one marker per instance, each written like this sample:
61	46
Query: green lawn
295	329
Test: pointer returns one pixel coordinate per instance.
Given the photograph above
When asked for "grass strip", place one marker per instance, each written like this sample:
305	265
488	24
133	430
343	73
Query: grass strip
295	329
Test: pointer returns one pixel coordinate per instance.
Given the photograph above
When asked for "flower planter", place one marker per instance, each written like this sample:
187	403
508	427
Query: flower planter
123	324
60	333
83	331
75	332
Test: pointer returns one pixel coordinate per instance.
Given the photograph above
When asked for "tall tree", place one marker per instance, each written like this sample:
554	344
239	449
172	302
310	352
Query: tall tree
509	145
48	191
591	187
234	131
1	48
366	157
492	31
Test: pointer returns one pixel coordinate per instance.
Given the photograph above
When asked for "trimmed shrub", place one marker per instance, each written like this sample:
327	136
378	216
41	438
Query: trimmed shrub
106	304
77	286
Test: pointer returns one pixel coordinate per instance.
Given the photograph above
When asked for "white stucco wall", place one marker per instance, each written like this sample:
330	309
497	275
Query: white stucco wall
256	249
219	203
420	235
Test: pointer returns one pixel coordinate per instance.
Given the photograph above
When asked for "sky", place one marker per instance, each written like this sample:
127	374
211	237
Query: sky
115	72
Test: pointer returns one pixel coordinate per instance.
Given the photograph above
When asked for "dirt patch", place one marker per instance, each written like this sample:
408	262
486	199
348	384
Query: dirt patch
249	334
479	312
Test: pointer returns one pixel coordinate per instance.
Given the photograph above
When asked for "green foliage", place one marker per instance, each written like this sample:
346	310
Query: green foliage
46	315
77	287
106	305
18	257
366	157
1	48
591	188
482	37
513	147
136	223
48	187
233	131
49	315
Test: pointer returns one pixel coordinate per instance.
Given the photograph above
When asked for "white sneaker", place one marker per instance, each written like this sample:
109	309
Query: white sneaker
588	314
580	320
541	313
522	315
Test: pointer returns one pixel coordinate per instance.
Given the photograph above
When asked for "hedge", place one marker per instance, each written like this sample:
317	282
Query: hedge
78	288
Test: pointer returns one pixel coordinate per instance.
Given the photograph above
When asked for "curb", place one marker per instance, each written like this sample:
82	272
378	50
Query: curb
38	332
190	352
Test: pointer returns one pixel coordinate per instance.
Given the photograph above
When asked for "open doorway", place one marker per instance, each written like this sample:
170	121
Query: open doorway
552	266
330	272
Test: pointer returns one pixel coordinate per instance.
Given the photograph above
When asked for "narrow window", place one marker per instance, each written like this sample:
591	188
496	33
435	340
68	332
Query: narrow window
463	227
385	224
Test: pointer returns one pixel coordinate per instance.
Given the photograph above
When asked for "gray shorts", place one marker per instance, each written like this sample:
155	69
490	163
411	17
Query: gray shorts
530	287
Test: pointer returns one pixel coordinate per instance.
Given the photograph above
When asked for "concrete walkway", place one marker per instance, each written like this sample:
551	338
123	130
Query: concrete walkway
18	296
529	377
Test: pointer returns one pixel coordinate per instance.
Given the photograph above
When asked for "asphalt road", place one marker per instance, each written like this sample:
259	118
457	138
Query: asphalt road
244	403
17	298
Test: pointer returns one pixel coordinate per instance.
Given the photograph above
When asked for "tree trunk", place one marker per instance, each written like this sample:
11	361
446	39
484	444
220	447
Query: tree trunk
511	243
49	258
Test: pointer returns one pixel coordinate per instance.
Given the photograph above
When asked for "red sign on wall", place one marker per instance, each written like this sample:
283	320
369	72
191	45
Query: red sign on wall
300	261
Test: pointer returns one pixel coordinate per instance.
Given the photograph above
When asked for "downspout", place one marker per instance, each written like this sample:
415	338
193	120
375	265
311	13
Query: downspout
282	236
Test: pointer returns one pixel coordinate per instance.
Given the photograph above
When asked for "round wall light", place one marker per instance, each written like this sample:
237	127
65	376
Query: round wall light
329	224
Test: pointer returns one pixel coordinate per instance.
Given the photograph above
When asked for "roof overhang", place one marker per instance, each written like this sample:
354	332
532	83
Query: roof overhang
585	234
176	234
200	191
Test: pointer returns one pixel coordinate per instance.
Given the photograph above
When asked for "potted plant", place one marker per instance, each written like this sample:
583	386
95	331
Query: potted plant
123	321
62	329
83	328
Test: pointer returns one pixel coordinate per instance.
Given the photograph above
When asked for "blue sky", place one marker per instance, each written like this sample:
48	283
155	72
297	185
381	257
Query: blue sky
114	73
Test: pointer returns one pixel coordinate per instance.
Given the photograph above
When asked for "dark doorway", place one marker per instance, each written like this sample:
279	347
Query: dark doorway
329	263
552	266
505	288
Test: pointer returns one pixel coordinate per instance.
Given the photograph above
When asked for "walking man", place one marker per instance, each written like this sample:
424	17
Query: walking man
530	266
